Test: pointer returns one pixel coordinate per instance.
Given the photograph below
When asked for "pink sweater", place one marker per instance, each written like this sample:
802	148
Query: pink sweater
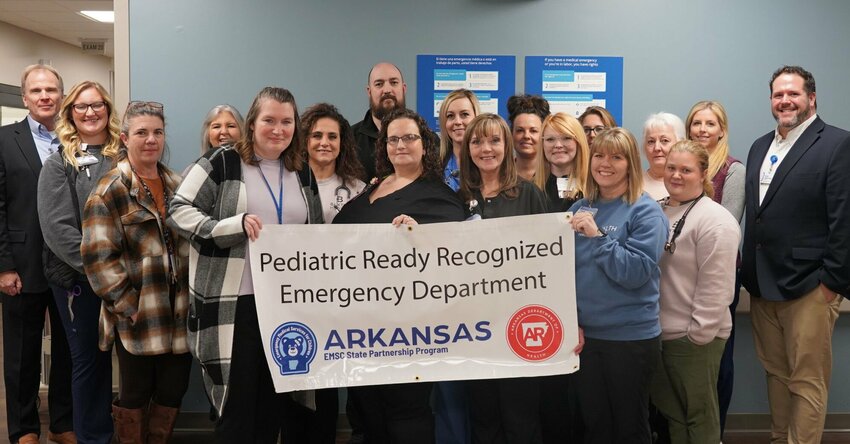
698	280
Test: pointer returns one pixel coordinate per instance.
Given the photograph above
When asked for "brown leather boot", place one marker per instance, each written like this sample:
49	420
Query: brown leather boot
161	423
129	425
62	438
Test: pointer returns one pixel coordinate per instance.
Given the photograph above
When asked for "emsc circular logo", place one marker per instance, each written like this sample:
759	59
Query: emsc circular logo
293	348
535	333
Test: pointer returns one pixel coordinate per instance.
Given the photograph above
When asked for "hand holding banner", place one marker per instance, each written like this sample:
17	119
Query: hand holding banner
349	305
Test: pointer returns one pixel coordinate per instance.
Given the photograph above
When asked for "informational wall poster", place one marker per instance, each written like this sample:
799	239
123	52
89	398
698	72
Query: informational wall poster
572	83
492	78
352	305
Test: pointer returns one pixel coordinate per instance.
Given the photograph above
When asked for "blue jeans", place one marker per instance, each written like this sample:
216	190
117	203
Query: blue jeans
91	374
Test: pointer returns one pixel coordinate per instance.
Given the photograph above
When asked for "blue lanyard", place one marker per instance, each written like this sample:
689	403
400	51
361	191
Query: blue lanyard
278	203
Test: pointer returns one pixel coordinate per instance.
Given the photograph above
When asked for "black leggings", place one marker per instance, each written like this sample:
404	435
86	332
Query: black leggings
162	378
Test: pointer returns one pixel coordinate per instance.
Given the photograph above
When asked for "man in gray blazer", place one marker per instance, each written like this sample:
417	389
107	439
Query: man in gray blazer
796	253
25	294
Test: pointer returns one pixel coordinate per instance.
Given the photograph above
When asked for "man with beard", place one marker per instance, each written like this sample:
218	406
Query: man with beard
386	89
796	254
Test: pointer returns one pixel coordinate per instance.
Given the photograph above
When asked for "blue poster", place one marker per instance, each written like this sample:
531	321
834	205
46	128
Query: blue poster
572	83
492	78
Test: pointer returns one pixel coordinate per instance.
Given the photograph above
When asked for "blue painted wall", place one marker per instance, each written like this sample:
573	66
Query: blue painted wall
193	54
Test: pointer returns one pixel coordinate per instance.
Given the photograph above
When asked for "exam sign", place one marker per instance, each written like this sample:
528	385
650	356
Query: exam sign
350	305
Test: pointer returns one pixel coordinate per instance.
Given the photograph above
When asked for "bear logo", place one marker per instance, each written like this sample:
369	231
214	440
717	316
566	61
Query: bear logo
293	348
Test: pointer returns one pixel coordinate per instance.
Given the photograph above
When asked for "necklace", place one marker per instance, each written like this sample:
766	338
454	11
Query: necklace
164	231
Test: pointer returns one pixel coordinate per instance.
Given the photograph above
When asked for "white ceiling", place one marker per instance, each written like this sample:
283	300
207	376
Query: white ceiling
59	19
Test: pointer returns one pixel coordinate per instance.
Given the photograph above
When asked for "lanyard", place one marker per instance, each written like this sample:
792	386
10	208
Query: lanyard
278	203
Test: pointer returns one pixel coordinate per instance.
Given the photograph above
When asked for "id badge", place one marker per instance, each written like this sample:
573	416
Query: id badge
86	160
765	178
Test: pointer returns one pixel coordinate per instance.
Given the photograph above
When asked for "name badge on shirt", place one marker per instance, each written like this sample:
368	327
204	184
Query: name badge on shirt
765	178
86	160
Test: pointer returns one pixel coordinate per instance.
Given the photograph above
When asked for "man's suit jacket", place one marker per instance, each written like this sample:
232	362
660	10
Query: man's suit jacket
21	241
799	236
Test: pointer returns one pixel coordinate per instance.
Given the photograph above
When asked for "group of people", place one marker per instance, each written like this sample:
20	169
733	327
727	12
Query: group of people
127	254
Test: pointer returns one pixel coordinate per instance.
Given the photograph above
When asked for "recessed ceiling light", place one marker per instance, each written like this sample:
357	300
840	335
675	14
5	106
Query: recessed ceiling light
99	16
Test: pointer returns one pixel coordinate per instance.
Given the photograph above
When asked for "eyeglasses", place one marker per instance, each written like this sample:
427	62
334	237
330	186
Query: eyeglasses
407	138
141	104
83	107
595	129
553	140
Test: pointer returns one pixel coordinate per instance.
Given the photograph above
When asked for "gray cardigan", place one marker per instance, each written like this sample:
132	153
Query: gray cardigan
56	216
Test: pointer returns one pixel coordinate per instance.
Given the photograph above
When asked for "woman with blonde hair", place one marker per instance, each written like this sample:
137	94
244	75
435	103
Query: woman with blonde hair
697	278
458	109
88	131
708	125
562	170
620	234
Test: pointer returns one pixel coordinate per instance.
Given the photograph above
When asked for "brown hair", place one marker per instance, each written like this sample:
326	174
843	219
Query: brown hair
293	158
607	119
485	125
431	168
347	164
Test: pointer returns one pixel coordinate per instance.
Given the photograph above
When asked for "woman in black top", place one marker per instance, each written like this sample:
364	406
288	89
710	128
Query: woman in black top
562	170
410	190
501	410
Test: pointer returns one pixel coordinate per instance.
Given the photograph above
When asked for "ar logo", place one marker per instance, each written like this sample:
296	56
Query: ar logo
293	348
534	333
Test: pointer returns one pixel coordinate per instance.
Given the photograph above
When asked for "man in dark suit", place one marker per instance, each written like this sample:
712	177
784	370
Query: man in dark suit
25	294
386	91
796	254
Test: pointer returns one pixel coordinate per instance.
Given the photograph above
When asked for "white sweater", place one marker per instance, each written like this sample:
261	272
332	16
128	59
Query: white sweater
698	280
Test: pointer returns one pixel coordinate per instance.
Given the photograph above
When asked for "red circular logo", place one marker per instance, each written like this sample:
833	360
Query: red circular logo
535	333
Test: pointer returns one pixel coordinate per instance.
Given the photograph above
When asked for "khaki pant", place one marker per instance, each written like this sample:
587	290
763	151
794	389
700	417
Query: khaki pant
794	343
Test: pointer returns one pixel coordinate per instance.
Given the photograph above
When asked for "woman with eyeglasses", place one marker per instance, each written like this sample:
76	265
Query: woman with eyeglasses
526	114
660	132
620	235
88	129
410	190
458	109
562	170
139	267
223	125
594	120
708	125
221	208
500	410
697	279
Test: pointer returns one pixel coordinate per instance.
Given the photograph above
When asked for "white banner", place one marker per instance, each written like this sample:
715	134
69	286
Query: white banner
350	305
